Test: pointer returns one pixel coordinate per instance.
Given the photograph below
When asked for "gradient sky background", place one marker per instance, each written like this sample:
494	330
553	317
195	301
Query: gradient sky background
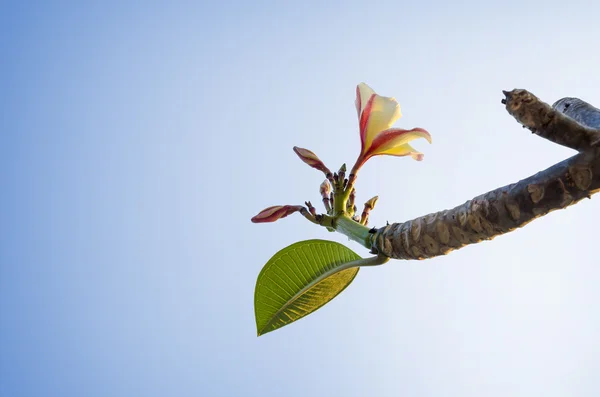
137	140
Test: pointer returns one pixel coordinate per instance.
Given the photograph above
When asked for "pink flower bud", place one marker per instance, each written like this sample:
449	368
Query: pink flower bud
325	189
275	212
311	159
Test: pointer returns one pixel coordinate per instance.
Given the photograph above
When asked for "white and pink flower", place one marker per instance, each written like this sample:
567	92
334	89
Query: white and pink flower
376	115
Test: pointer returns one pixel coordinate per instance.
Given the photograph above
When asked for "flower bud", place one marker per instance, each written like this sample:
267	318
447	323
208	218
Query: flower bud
275	212
311	159
350	203
325	189
342	172
370	204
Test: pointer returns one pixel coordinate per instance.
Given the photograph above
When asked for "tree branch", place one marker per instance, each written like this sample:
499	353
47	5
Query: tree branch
507	208
553	125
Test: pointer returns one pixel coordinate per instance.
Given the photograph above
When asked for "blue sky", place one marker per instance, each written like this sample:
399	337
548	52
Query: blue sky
139	138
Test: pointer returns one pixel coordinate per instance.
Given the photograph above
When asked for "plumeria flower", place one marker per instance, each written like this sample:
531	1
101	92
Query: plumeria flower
376	115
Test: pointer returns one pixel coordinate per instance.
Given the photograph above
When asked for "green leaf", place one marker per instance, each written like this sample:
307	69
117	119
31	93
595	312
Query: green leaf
300	279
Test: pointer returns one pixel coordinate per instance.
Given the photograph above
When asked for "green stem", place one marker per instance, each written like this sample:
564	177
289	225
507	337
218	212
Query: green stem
362	262
353	230
340	198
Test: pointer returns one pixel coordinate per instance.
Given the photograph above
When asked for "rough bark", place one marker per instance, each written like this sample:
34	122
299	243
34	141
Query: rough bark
510	207
579	111
575	130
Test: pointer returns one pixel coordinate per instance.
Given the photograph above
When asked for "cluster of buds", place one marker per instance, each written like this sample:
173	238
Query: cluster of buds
376	115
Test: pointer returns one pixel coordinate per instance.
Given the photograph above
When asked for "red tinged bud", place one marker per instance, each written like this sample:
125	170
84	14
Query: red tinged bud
275	212
311	159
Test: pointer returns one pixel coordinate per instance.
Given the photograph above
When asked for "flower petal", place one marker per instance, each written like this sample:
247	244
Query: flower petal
379	115
363	93
275	212
394	142
405	150
363	121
